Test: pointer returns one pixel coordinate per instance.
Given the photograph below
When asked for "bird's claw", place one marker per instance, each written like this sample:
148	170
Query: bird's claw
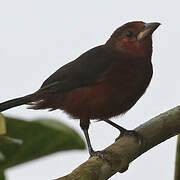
96	153
133	133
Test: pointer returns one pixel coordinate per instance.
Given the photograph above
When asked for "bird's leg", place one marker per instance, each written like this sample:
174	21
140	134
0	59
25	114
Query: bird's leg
86	134
121	129
84	123
125	132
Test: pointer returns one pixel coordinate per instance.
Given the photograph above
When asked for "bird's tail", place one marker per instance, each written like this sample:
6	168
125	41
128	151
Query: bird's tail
15	102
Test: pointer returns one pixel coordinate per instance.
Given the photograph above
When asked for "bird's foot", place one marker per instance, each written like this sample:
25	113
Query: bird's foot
133	133
96	153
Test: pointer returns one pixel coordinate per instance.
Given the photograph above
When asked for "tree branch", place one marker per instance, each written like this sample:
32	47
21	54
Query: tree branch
117	157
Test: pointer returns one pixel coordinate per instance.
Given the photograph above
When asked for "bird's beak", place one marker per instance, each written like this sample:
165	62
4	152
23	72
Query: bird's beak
148	29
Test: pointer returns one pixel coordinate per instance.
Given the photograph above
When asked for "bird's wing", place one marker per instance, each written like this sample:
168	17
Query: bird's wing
84	71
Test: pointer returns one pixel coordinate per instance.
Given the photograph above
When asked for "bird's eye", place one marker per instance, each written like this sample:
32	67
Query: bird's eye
129	34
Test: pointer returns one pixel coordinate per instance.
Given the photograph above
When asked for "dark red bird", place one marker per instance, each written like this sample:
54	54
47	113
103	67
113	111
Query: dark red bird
104	82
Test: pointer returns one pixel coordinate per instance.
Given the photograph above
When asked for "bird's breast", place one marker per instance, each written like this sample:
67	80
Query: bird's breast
115	92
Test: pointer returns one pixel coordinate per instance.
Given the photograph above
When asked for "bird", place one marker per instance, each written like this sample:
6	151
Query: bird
104	82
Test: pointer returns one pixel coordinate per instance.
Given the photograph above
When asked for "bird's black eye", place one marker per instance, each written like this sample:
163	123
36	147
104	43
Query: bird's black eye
129	34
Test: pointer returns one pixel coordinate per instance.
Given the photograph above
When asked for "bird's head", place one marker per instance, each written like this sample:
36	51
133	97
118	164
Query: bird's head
133	38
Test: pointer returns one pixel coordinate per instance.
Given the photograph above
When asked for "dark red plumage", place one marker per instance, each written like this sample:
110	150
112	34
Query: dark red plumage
103	82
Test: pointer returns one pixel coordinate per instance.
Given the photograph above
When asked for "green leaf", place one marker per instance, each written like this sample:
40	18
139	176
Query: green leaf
39	138
2	175
11	140
2	156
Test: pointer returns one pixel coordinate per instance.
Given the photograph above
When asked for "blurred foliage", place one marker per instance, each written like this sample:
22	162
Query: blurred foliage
2	176
29	140
2	125
177	164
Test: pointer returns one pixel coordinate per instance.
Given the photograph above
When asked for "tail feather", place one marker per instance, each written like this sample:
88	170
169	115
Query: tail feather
15	102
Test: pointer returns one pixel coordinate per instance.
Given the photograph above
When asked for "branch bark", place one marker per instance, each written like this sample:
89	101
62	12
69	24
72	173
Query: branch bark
116	157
